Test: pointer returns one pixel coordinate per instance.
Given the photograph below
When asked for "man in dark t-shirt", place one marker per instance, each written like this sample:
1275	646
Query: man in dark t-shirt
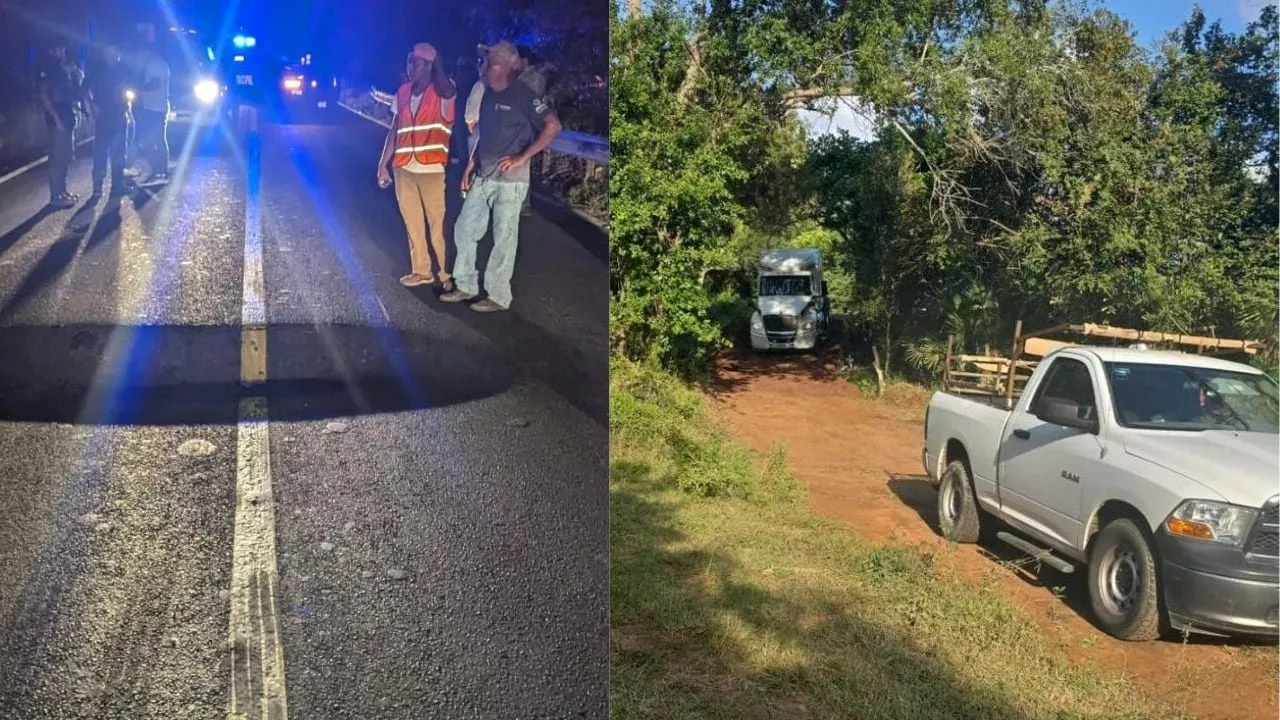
57	95
515	124
107	83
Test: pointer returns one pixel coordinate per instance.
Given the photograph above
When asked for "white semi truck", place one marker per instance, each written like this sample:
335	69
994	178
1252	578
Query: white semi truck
792	308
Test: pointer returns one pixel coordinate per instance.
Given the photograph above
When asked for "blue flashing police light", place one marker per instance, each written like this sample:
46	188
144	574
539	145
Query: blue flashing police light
244	41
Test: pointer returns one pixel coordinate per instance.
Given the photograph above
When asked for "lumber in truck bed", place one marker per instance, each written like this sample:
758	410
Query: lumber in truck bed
994	376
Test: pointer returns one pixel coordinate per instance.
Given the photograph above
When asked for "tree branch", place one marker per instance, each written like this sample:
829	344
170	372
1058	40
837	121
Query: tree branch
693	72
798	98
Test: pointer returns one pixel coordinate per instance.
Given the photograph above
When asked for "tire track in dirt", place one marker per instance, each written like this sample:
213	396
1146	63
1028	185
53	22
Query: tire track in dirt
861	462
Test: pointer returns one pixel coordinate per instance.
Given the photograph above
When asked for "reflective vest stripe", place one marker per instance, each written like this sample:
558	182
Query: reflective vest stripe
419	128
422	137
420	148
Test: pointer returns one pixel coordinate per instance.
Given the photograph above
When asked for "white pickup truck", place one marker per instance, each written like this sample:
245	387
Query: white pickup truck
1158	473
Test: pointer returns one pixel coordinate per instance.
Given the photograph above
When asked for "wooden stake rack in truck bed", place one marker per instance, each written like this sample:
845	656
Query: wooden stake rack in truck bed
1004	377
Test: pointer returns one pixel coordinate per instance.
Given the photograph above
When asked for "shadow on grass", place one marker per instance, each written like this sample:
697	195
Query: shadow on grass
696	635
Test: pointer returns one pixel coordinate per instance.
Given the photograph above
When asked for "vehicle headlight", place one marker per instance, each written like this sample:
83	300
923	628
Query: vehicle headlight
130	95
1214	521
757	323
293	83
207	91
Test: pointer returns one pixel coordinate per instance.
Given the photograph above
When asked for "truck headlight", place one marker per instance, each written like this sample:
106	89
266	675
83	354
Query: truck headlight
207	91
757	323
1209	520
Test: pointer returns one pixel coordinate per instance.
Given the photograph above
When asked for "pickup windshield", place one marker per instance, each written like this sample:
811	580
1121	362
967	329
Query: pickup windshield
786	285
1175	397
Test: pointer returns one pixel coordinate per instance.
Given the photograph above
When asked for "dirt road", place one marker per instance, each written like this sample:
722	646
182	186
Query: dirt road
861	461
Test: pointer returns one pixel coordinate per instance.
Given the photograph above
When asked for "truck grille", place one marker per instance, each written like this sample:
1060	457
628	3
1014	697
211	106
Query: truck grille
1266	534
781	328
781	323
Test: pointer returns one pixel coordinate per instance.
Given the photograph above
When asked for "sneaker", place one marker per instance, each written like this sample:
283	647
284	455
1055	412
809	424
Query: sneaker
456	296
487	306
61	202
415	280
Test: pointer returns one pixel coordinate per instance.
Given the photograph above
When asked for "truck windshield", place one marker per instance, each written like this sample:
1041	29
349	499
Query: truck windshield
1176	397
789	285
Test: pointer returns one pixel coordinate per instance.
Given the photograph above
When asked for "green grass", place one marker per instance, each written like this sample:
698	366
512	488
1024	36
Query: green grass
730	599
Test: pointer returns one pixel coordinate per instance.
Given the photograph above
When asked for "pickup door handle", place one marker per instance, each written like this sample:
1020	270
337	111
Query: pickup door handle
1022	434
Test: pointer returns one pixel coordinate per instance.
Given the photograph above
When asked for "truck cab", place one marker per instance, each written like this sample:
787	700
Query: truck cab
792	308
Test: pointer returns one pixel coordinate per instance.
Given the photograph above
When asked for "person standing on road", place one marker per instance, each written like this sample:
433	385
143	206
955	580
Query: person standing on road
107	85
56	94
151	111
76	72
526	73
418	146
514	125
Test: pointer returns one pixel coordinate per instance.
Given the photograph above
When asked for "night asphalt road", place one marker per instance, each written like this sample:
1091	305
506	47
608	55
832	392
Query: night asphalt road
427	497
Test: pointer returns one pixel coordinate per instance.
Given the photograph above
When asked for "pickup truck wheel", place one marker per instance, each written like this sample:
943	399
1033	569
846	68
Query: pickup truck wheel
1123	584
959	516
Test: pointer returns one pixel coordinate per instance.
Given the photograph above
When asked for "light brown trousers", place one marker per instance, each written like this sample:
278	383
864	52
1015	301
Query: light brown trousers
421	198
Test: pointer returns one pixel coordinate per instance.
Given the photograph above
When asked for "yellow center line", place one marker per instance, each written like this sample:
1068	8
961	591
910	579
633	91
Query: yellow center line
257	649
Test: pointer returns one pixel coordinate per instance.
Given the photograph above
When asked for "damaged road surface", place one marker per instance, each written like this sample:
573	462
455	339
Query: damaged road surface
245	473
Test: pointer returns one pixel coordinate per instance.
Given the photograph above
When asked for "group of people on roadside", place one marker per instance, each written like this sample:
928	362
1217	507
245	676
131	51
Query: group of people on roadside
128	103
508	122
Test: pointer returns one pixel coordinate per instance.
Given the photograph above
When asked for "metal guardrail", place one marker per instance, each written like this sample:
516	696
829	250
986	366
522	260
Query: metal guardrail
573	170
580	145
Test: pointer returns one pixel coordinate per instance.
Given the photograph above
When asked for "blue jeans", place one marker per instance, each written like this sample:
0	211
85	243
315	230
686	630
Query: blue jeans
109	148
504	200
61	148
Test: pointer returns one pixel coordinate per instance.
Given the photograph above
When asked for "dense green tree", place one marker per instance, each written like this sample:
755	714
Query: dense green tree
1032	163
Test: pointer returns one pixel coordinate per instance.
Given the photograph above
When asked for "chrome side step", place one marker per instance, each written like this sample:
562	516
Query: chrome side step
1037	553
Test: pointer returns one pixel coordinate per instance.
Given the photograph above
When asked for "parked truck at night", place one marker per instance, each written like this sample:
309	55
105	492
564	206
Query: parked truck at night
1156	473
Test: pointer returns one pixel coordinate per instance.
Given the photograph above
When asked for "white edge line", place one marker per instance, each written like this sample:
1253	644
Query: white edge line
33	165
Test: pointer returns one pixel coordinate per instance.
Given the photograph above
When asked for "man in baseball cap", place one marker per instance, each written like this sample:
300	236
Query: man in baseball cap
418	147
514	125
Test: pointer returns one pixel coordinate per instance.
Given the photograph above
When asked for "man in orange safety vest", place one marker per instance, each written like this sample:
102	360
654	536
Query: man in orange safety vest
418	147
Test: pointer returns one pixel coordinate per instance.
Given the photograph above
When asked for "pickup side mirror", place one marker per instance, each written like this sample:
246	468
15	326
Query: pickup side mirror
1066	413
